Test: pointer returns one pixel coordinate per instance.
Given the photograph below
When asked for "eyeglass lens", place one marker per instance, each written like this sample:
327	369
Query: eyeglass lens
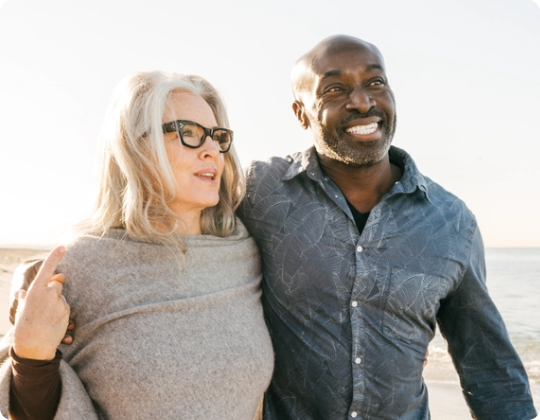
193	135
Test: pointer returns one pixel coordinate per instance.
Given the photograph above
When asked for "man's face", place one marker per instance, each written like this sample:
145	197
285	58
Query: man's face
349	105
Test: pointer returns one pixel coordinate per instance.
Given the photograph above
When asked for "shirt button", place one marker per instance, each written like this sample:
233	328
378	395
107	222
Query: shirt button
359	248
354	414
354	303
357	360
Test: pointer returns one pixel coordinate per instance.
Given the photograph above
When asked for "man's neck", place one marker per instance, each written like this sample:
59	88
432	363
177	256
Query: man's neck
363	186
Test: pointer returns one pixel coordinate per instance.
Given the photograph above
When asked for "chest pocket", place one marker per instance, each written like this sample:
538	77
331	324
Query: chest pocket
412	302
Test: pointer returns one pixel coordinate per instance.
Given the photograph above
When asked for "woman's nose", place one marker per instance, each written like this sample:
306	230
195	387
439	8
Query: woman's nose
209	147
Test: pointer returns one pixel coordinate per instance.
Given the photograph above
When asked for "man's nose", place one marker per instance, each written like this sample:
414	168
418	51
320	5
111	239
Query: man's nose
361	100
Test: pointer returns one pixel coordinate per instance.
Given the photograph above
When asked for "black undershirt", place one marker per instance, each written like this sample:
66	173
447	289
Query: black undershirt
361	218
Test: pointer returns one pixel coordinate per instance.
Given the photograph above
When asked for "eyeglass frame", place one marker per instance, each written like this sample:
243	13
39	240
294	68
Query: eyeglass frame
175	126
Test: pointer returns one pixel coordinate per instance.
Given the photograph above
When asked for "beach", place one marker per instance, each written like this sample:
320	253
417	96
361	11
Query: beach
9	260
446	401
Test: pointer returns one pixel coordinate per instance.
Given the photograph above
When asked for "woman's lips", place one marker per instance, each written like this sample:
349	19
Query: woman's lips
207	175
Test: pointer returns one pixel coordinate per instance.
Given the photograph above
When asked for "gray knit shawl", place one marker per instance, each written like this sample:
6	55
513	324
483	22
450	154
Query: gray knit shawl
158	338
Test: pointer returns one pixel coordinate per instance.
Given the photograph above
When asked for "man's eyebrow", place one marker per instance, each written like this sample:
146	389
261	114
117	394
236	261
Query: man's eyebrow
374	67
369	67
331	73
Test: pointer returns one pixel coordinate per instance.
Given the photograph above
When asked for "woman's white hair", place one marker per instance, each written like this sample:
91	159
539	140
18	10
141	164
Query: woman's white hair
136	182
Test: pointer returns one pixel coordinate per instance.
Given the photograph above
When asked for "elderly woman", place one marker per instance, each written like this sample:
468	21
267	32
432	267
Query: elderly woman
163	281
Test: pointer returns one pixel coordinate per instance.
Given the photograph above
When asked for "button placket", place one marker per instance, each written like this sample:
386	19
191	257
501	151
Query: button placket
358	294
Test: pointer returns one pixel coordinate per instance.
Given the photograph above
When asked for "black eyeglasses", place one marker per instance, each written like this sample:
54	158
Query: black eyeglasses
193	135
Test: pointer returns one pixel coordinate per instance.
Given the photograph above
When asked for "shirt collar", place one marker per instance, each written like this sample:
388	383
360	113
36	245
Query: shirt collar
412	179
308	162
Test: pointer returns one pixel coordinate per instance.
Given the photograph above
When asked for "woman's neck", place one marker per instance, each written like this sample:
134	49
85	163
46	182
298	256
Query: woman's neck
189	223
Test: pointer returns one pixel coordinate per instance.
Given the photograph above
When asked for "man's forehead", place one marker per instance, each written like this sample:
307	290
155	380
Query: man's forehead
349	70
332	57
333	62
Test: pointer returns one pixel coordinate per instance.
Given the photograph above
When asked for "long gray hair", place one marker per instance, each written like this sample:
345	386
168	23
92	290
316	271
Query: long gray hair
136	183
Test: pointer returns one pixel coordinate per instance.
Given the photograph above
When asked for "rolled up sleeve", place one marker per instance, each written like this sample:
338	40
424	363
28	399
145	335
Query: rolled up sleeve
493	379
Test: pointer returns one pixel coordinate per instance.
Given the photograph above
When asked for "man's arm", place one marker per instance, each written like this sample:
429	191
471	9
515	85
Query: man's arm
493	379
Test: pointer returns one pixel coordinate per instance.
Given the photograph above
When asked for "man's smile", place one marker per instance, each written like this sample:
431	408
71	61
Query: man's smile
363	129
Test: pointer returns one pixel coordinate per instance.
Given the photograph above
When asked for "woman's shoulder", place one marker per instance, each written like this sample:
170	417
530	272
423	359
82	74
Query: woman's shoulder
85	245
239	235
104	250
240	231
239	247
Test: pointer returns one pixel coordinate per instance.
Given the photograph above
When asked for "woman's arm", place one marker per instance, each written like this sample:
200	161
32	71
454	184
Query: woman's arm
35	388
74	402
40	324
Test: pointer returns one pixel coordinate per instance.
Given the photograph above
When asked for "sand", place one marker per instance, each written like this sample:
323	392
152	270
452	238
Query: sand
446	401
9	259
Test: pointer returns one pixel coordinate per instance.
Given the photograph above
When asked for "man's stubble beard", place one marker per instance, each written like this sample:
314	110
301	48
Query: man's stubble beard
329	144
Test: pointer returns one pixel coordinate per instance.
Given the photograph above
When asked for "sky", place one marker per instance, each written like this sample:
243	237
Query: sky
464	73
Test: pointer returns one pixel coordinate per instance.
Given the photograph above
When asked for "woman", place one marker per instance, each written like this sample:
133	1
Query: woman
163	281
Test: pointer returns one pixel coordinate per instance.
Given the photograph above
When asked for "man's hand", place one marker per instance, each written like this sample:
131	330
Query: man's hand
43	314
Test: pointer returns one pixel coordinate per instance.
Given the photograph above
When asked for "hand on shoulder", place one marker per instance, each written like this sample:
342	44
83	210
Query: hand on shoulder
42	316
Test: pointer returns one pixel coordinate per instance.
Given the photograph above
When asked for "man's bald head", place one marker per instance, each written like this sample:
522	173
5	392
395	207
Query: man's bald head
342	94
303	72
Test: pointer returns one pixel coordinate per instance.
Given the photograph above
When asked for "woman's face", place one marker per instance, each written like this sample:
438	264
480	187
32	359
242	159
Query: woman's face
197	171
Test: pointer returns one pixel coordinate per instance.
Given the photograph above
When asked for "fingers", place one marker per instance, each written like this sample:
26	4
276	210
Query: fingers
68	338
57	282
48	267
20	294
71	325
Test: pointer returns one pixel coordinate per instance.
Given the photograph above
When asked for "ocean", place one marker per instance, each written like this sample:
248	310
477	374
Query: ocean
513	280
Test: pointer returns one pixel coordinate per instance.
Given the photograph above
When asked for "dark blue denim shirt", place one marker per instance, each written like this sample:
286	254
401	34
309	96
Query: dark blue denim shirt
351	316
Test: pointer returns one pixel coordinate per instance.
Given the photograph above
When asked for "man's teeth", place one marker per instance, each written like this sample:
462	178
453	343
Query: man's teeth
362	129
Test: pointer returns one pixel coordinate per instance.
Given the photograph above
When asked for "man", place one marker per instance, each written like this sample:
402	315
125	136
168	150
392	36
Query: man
362	257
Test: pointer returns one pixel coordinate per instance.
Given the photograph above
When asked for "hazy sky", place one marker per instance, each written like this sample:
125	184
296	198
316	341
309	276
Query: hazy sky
464	72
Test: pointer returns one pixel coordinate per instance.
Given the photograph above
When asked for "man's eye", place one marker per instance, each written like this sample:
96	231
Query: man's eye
378	83
334	89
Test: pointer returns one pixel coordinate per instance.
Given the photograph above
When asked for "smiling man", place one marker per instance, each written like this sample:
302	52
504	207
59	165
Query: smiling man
363	256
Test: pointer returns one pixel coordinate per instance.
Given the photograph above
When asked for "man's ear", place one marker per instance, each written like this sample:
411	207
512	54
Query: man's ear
298	108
